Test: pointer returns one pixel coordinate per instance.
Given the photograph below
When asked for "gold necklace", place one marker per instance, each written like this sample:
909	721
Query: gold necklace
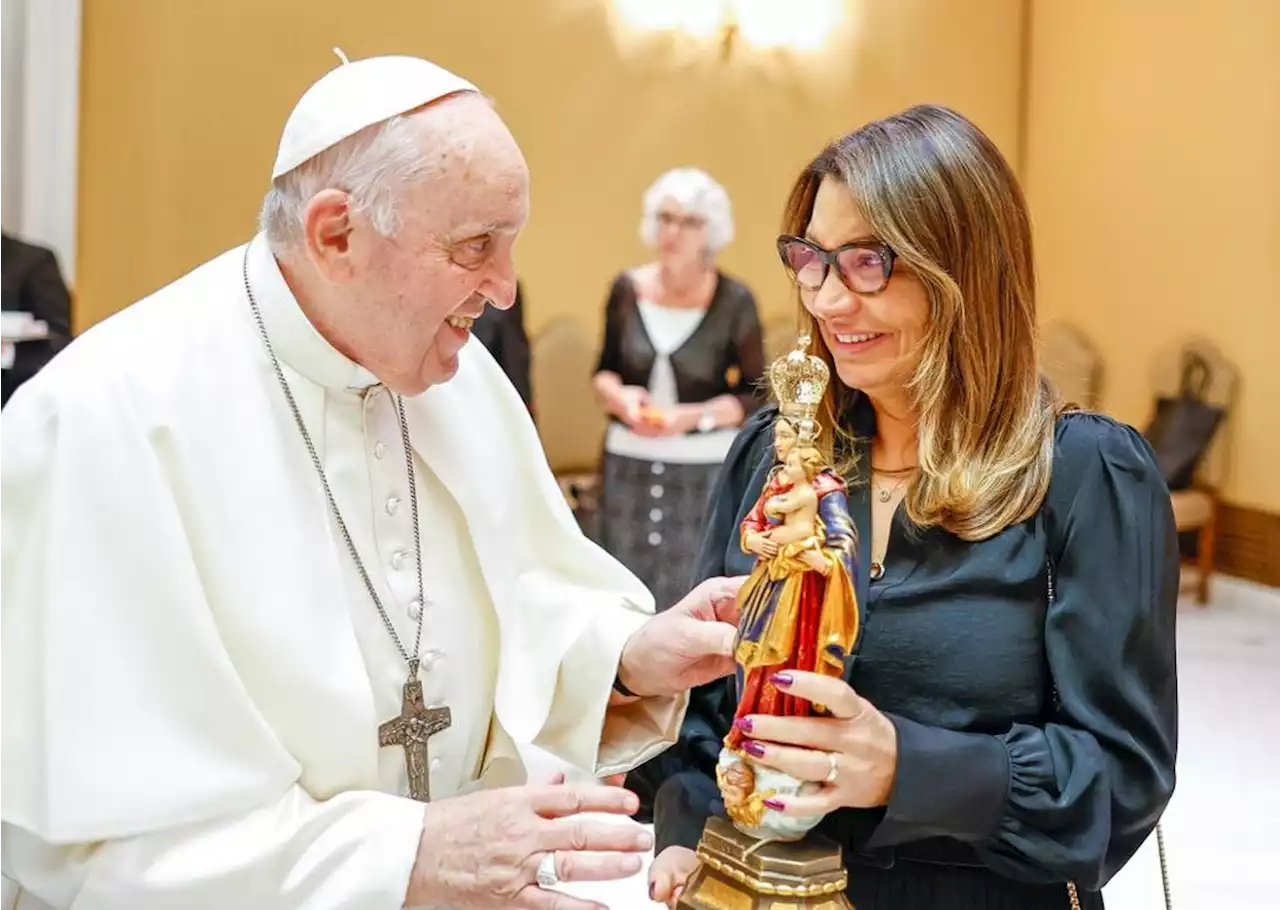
883	493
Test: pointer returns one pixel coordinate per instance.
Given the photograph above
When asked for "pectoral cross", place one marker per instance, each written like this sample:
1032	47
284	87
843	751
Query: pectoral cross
411	730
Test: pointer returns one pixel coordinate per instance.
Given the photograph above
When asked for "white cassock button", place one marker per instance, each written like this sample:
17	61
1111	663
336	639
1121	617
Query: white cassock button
379	451
654	539
398	558
656	491
655	515
392	504
415	609
435	765
432	657
658	467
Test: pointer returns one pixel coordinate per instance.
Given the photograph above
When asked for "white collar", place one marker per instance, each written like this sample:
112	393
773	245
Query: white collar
293	338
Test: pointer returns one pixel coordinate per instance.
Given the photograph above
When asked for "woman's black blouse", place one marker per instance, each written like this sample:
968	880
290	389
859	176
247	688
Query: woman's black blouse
723	356
1030	676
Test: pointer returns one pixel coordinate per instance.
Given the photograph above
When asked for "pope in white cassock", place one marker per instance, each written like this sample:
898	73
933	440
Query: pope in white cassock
282	555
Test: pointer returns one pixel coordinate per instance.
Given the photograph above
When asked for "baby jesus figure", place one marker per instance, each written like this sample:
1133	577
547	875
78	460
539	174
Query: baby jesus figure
801	534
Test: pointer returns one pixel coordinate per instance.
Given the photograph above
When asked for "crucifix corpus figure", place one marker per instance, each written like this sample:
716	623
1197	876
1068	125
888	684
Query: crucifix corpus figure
415	725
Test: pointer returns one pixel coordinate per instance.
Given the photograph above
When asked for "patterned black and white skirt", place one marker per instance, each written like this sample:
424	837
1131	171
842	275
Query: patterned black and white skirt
650	519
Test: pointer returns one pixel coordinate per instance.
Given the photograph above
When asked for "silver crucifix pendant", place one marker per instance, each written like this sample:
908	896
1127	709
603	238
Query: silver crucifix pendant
411	729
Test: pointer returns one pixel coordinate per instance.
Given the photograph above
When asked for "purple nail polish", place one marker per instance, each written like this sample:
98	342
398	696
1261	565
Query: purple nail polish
651	889
774	804
744	724
782	680
753	748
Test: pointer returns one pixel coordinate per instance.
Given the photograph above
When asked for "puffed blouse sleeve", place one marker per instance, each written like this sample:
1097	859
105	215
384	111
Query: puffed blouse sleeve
1074	796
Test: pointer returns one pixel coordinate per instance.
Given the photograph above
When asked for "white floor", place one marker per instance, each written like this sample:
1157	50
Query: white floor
1222	828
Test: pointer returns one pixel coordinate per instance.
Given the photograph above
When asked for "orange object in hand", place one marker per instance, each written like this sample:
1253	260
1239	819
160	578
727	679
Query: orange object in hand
653	416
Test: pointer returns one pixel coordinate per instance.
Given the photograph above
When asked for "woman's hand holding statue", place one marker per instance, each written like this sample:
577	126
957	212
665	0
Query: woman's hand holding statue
852	752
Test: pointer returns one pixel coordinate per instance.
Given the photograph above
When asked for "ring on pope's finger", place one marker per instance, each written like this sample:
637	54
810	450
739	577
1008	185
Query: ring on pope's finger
547	877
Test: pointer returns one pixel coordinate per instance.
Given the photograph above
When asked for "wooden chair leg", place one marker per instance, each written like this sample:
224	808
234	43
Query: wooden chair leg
1207	540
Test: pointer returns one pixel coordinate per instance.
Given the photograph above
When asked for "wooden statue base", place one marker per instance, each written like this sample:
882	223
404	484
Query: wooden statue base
736	872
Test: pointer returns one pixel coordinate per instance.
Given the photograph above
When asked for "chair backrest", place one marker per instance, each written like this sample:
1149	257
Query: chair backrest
570	421
1073	364
1221	388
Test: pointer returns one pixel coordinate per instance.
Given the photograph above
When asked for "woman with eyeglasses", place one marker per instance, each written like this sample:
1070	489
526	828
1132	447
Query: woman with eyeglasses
1005	731
679	365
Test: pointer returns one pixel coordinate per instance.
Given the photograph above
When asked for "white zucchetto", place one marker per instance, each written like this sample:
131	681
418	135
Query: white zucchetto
356	95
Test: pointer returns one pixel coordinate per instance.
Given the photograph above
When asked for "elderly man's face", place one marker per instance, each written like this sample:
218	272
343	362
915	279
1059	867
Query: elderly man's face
421	288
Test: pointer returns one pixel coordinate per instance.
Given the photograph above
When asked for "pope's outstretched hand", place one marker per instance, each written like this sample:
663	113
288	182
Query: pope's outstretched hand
685	646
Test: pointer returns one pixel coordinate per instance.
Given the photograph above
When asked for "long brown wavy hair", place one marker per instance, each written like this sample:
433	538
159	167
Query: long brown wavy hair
939	193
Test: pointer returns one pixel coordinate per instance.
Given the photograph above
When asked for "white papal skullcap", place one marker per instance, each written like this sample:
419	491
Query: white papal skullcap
356	95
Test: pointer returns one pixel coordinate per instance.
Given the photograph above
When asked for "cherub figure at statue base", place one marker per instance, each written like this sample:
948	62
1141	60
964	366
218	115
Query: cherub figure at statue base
745	786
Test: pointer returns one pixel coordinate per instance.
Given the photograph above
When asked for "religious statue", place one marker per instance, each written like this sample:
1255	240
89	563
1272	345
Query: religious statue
799	612
799	607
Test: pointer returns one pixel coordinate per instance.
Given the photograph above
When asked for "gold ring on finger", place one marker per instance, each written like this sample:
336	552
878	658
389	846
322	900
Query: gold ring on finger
833	768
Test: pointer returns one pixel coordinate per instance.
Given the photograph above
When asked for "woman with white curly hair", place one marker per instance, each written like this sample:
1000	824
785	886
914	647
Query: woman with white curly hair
678	373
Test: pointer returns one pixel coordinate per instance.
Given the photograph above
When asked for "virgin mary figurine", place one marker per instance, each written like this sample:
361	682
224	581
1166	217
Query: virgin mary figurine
799	607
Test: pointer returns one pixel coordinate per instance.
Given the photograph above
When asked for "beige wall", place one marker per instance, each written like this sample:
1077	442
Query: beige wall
1152	149
1153	171
183	103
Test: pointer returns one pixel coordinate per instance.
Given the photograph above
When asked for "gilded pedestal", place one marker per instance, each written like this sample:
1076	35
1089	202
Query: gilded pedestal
737	872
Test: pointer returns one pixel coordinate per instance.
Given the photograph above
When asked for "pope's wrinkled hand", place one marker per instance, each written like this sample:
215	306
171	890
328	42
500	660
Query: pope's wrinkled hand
482	850
685	646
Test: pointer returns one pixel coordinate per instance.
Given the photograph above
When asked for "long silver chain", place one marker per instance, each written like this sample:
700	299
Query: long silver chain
411	658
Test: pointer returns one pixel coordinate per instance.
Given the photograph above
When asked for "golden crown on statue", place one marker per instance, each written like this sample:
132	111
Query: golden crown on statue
799	380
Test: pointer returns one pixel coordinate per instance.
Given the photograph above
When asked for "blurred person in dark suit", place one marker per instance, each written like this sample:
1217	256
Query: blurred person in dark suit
503	333
32	283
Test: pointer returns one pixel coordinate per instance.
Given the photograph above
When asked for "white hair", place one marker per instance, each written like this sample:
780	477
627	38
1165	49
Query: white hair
695	192
371	167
